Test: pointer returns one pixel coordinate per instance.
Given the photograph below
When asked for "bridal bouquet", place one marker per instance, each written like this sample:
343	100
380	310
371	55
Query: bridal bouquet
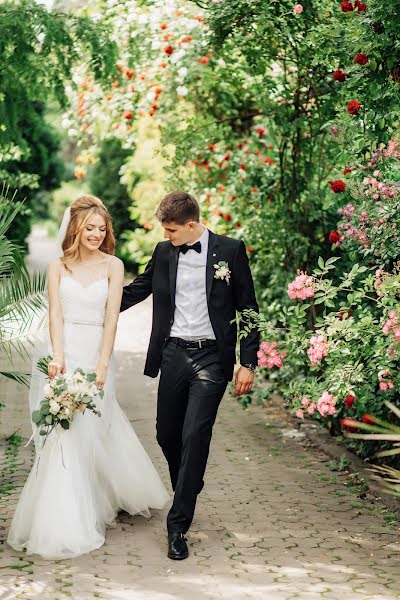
64	397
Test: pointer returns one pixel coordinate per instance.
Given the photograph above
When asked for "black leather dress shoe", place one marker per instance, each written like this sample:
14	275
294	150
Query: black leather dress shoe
177	547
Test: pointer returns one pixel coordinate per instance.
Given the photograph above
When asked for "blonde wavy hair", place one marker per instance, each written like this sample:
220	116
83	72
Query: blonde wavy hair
82	210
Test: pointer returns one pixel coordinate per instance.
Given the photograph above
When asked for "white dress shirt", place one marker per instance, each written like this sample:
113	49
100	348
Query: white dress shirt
191	319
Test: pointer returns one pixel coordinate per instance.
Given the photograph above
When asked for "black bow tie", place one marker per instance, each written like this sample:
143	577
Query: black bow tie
184	248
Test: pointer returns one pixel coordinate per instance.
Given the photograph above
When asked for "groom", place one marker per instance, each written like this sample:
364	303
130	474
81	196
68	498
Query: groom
199	280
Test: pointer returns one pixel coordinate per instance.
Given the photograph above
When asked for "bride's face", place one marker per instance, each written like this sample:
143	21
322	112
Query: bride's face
93	233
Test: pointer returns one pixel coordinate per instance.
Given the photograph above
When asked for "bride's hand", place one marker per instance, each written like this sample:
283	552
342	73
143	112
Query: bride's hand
100	371
56	366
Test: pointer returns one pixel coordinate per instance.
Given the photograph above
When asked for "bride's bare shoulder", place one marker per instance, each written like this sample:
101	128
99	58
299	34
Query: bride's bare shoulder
115	264
55	266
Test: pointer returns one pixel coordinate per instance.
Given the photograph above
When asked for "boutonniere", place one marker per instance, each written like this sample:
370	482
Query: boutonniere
222	271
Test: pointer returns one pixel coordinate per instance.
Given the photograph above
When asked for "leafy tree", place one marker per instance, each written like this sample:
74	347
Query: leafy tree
105	182
42	161
38	50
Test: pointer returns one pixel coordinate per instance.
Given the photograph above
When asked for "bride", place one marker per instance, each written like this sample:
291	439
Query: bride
81	477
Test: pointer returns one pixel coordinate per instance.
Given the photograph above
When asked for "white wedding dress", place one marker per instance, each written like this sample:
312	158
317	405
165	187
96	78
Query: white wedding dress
81	477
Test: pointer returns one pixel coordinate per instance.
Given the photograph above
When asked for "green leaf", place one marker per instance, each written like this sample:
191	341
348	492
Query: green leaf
36	416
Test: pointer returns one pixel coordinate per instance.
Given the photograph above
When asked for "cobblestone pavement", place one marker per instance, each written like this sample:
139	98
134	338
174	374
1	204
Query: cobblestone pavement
273	521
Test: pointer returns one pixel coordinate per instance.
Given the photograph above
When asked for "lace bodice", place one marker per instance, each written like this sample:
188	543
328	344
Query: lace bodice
83	293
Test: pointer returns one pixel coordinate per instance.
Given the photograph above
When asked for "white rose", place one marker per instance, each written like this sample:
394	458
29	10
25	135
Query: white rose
54	407
182	72
73	388
182	90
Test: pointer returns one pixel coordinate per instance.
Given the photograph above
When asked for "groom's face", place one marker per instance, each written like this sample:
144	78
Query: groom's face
179	234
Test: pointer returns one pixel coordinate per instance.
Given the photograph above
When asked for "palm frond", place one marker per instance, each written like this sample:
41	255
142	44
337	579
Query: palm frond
9	209
389	476
393	408
17	376
21	297
21	294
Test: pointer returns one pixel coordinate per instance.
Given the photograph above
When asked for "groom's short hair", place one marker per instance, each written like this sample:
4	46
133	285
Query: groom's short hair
178	207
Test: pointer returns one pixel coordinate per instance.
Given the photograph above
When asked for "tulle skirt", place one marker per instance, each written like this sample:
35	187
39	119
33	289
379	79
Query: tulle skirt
81	477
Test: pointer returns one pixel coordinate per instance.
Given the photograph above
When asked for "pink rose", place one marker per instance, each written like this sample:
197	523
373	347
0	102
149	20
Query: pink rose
299	413
297	9
311	408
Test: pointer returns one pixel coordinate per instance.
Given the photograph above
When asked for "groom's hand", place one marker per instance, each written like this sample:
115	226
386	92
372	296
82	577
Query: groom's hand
243	381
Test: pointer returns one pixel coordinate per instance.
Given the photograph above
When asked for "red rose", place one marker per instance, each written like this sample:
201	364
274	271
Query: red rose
361	58
343	312
339	75
361	7
353	107
346	170
129	73
127	114
346	6
250	249
163	26
228	217
334	237
242	166
337	186
168	50
369	419
203	60
186	38
260	131
349	401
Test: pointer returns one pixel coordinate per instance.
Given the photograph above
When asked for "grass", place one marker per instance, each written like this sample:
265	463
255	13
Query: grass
342	464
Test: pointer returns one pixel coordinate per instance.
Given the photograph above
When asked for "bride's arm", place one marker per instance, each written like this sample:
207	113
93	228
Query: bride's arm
56	320
116	282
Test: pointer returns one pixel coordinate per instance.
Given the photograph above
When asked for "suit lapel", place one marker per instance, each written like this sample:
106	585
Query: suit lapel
173	268
212	259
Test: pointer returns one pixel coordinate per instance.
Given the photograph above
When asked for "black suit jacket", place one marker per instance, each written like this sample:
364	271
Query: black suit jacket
223	300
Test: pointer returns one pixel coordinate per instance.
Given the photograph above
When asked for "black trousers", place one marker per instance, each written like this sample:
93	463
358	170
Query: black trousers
192	384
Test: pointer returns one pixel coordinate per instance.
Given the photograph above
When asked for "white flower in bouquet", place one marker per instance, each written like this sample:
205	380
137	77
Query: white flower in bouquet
48	391
78	377
63	397
54	407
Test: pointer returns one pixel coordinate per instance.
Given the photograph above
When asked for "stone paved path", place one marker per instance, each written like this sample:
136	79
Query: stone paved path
273	522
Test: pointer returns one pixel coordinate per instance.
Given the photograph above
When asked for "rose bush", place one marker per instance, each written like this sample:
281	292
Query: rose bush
342	340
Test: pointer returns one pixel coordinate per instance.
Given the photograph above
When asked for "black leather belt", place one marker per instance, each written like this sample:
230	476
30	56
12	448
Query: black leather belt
193	344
